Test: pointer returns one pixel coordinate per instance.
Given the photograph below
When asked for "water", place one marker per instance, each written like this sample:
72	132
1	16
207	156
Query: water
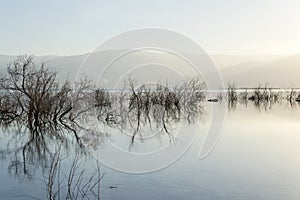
257	157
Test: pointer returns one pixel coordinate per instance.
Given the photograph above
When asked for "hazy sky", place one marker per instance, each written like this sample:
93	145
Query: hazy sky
220	26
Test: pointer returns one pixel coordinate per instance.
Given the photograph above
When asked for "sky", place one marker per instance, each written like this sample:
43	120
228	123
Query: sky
71	27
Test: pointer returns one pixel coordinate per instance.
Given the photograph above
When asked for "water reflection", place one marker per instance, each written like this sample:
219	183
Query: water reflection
160	109
56	155
262	98
37	147
40	146
29	149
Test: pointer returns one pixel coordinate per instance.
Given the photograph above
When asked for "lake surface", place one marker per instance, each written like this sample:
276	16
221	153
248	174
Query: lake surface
257	157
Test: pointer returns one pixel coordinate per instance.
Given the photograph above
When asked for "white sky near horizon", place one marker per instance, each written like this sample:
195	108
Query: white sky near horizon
73	27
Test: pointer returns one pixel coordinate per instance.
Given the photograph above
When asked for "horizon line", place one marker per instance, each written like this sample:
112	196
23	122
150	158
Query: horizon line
87	53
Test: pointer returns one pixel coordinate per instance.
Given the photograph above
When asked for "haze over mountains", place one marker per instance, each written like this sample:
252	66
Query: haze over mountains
245	70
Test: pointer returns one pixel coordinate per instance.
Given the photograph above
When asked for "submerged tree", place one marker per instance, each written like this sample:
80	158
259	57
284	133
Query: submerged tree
32	89
232	96
31	93
44	109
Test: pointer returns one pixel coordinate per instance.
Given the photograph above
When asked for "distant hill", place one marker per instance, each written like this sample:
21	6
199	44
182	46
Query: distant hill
283	72
224	61
6	59
246	71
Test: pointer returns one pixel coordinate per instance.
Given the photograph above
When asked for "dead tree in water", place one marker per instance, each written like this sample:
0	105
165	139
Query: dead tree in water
164	105
31	93
102	98
31	88
232	95
291	95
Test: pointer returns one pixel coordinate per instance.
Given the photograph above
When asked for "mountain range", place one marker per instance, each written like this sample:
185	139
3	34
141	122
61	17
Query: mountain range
244	70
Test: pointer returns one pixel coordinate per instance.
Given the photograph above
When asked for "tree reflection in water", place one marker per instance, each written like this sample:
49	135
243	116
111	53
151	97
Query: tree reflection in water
46	121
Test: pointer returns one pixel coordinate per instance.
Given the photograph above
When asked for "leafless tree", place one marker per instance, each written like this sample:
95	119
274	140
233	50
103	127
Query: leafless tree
31	93
232	96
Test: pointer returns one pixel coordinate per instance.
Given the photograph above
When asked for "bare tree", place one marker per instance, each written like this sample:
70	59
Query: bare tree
31	92
31	88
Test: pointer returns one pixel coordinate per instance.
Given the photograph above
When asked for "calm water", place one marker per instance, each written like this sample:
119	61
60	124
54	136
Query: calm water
257	157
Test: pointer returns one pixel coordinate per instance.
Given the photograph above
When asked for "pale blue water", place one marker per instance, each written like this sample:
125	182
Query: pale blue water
257	157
